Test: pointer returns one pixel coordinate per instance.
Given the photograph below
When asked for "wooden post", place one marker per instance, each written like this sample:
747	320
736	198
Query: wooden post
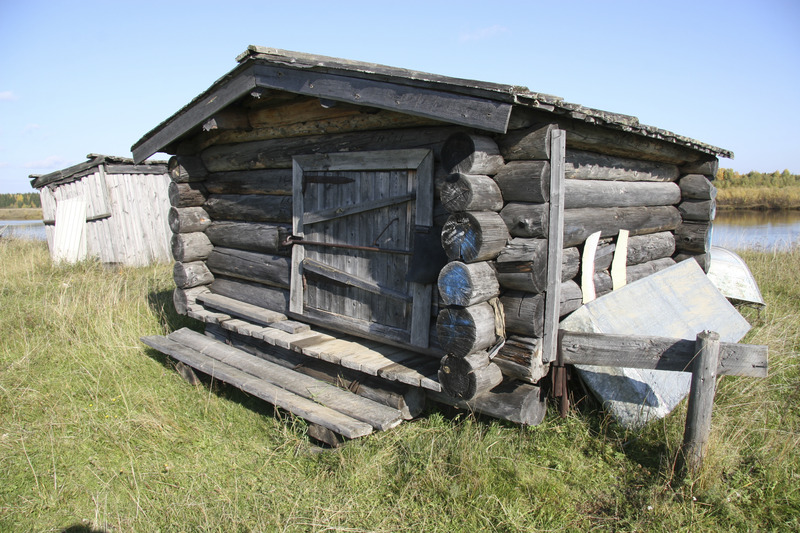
701	402
555	245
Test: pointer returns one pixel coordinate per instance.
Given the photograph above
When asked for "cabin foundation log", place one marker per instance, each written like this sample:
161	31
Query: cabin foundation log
188	247
185	299
465	377
250	236
276	182
467	284
249	207
697	187
466	153
188	219
467	192
266	296
465	330
188	275
521	358
514	401
187	194
472	237
704	260
531	220
185	169
525	181
251	266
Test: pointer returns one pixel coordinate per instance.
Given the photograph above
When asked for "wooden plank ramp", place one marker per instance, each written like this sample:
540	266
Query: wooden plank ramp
370	357
336	410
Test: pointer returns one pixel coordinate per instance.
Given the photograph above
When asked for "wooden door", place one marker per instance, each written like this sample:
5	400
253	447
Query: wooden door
354	220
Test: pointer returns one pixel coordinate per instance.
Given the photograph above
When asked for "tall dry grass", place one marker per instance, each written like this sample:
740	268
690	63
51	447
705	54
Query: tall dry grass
759	198
98	432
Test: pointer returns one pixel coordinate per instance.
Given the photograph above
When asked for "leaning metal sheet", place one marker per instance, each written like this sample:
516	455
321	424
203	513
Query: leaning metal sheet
677	302
729	273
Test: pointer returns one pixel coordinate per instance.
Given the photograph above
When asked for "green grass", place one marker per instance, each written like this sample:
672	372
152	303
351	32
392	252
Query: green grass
98	431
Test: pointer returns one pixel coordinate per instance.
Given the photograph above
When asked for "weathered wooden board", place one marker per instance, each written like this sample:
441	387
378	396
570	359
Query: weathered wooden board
676	302
369	357
302	407
355	213
378	416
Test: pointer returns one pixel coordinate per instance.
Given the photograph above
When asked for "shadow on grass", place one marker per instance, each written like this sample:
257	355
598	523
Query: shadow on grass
161	304
81	528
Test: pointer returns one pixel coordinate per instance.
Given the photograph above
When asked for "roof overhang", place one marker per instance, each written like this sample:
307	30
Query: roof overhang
115	164
475	104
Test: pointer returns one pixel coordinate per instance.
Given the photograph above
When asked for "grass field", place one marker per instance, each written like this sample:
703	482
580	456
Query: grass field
98	433
22	213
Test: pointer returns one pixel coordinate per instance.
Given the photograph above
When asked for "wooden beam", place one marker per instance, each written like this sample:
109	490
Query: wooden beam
197	112
461	109
659	353
555	245
339	276
700	403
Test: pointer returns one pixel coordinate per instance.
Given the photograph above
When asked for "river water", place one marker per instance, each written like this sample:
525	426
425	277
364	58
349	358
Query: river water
756	230
733	229
23	229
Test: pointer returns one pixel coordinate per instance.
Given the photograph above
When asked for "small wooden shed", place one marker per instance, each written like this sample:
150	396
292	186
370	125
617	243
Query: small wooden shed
107	208
412	228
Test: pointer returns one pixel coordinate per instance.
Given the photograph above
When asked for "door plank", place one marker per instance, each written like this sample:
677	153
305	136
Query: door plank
328	272
340	212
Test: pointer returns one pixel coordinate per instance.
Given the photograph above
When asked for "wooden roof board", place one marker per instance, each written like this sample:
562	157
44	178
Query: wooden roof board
76	172
487	105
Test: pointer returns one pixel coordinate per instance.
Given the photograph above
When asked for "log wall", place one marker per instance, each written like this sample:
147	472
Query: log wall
232	184
232	210
666	209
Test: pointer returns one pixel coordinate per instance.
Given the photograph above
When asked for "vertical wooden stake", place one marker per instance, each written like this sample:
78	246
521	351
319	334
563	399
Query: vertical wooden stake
555	245
701	403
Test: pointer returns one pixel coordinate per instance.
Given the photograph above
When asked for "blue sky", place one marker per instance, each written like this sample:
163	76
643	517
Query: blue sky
79	77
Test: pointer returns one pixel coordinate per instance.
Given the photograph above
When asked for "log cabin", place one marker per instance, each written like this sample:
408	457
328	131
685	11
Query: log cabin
108	209
407	235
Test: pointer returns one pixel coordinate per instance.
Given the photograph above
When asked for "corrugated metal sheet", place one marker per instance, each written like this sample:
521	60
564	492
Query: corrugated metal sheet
69	242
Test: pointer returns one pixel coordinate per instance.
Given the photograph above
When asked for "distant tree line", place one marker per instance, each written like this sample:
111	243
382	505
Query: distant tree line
729	178
22	199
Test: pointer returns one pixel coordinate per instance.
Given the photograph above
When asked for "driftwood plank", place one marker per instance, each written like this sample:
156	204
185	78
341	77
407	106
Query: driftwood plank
378	416
302	407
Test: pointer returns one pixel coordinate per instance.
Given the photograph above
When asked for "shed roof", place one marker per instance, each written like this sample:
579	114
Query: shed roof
117	165
481	105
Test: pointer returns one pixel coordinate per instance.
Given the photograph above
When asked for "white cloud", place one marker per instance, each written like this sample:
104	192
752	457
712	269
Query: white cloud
483	33
53	161
7	95
30	127
4	164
